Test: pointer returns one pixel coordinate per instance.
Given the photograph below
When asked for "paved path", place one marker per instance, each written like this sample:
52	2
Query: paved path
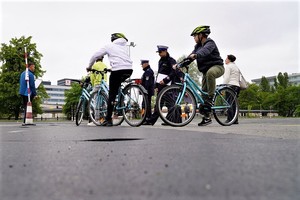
255	160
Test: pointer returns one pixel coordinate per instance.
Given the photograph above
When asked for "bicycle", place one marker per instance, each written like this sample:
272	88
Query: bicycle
171	100
83	99
98	102
131	104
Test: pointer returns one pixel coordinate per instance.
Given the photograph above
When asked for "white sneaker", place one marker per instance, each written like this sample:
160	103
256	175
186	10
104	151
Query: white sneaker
91	124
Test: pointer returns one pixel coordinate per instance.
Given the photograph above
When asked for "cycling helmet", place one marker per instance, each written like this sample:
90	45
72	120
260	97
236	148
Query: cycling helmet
115	36
201	29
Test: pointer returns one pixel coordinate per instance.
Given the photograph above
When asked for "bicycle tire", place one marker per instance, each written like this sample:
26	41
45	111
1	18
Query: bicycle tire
97	105
225	108
135	103
79	112
170	112
98	109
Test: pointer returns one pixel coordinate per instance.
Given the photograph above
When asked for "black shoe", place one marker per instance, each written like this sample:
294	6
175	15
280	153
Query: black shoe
205	121
146	123
236	122
164	124
107	123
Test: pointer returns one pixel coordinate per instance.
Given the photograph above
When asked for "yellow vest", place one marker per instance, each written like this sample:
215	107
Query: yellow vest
96	78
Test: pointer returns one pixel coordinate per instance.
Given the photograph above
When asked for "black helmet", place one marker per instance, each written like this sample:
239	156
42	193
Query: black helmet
201	29
115	36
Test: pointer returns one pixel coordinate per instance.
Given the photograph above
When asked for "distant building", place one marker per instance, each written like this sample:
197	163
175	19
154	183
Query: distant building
52	107
294	79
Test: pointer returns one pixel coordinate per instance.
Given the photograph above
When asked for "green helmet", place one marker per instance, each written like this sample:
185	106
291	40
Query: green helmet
201	29
115	36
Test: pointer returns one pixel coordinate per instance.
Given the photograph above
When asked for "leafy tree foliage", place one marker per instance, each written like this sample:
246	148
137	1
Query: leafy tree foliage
71	99
264	84
12	57
283	97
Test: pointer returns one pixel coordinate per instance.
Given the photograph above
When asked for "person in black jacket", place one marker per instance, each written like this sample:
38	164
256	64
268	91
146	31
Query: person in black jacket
147	81
210	63
166	75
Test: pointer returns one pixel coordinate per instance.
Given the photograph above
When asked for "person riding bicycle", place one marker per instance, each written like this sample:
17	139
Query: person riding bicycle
210	63
121	68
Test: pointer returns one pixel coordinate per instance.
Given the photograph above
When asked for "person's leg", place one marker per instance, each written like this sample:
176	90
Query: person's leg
211	75
25	100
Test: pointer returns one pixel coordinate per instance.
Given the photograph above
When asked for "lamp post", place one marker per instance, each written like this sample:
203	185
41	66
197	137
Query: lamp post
131	44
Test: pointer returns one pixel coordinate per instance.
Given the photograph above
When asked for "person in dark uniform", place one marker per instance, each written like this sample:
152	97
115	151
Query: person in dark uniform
166	75
148	83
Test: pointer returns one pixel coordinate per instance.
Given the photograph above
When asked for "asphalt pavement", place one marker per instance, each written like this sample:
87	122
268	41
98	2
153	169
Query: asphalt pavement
257	159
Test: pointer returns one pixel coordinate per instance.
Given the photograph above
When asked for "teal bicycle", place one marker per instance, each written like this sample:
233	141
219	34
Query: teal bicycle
130	105
84	98
172	99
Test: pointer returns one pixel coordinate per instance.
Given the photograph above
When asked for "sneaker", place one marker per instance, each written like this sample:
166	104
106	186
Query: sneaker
91	124
164	124
205	121
107	123
146	123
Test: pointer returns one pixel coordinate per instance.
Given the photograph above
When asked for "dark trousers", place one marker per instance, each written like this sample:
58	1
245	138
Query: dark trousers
115	80
155	114
230	113
25	100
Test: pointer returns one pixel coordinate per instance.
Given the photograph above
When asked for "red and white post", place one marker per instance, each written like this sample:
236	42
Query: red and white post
29	118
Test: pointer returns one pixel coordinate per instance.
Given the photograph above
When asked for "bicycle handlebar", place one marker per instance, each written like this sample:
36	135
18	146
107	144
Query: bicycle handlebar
97	71
185	62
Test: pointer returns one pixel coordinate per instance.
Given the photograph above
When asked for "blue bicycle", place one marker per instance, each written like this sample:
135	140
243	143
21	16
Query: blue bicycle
172	100
130	104
84	98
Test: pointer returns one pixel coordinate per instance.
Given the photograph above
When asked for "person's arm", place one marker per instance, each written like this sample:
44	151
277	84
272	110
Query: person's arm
97	55
32	84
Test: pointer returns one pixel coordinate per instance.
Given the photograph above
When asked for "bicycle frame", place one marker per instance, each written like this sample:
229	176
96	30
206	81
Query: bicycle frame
189	83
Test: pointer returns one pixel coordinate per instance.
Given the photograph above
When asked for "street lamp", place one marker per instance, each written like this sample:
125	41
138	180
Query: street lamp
131	44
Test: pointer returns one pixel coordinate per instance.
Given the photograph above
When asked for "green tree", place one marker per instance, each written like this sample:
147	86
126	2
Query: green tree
250	98
71	99
12	57
286	100
264	84
283	80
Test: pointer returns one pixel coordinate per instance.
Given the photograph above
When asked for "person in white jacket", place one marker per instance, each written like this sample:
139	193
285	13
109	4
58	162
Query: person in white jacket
121	67
231	77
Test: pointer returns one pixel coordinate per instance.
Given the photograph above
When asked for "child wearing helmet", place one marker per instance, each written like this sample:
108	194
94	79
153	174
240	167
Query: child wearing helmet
210	63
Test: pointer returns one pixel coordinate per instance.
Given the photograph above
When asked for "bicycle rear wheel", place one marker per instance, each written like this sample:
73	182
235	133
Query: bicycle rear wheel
79	111
225	109
134	101
171	112
97	107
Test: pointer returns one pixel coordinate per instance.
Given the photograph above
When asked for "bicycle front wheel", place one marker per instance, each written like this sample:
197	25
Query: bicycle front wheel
226	108
134	104
79	111
171	112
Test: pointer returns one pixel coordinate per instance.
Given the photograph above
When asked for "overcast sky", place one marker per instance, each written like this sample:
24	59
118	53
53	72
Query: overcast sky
263	35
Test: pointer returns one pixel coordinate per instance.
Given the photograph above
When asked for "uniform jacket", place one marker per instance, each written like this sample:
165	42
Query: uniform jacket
148	80
208	55
165	66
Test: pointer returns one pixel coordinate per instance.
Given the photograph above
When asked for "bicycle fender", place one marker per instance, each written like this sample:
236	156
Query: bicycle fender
139	86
